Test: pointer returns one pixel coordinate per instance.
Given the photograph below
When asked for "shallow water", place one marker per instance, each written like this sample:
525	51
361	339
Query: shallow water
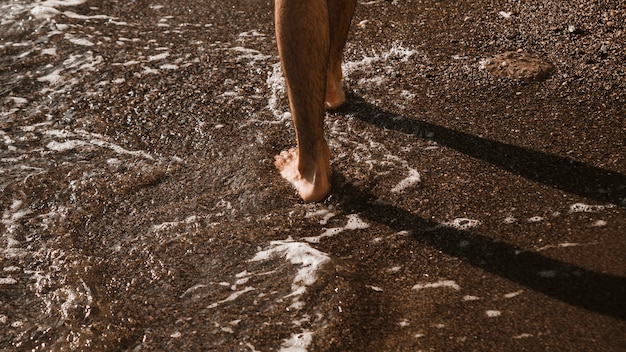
141	210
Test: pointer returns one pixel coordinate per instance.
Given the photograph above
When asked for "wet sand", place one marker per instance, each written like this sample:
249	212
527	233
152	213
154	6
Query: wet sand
473	209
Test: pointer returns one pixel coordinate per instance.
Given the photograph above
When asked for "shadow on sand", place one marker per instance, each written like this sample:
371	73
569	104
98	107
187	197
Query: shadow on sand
577	286
558	172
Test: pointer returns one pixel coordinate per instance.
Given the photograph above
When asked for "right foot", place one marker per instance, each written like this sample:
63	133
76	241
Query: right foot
313	188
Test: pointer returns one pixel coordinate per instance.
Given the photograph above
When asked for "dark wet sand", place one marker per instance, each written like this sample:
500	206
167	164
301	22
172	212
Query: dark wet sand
138	189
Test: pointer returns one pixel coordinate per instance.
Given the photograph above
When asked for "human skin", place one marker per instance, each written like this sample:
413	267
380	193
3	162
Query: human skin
311	35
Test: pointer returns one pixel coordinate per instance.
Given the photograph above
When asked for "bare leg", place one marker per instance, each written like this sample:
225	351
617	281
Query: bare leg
340	15
303	38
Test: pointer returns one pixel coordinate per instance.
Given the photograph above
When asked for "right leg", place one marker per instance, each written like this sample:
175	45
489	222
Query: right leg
340	14
303	38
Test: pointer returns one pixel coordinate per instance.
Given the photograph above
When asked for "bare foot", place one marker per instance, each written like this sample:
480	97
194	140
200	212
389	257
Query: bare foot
312	188
335	96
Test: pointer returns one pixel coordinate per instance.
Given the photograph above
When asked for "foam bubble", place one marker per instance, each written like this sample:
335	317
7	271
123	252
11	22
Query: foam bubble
250	54
160	56
522	336
461	224
354	223
397	51
375	288
439	284
404	323
413	179
44	12
470	298
65	146
513	294
7	281
233	296
79	41
169	67
324	213
18	101
599	223
493	313
252	33
48	9
52	78
535	219
585	208
308	258
276	83
74	15
297	342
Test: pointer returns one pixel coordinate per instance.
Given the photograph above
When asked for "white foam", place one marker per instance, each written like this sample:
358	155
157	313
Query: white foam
65	146
493	313
44	12
470	298
394	269
92	139
439	284
48	9
461	224
52	78
354	223
130	63
7	281
375	288
80	41
297	342
276	83
149	71
522	336
169	67
505	14
120	150
49	51
233	296
74	15
18	100
397	51
585	208
513	294
59	133
308	258
324	213
509	219
160	56
251	54
252	33
599	223
168	225
411	180
565	245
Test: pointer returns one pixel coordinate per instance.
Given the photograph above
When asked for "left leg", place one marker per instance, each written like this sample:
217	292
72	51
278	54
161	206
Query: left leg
302	35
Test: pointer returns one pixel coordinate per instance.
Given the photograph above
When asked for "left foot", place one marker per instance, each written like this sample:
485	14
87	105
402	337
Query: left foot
312	188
